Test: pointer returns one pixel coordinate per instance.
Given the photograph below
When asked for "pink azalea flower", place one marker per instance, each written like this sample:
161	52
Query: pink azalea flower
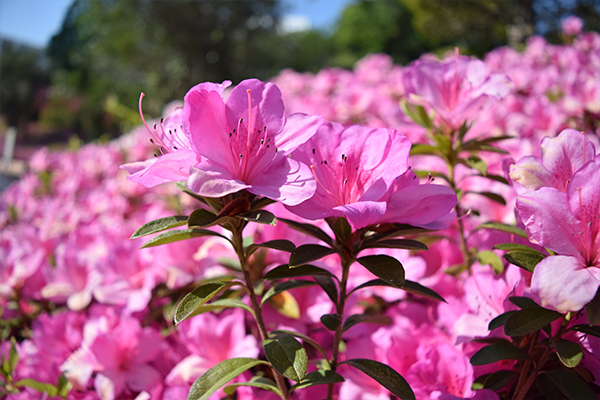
455	88
354	168
571	25
244	143
568	224
561	157
177	155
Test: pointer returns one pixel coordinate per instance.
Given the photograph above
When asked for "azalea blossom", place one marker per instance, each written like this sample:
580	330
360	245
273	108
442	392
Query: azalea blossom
244	143
567	223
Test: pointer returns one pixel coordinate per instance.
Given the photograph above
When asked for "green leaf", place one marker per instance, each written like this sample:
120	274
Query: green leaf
386	376
488	257
503	228
309	230
219	375
259	216
281	245
522	302
407	244
569	353
498	351
497	380
492	196
328	285
418	149
496	178
284	271
341	228
261	202
416	113
515	246
202	218
592	309
63	386
39	386
220	304
305	339
475	163
308	253
363	318
196	298
287	356
13	356
284	286
178	235
331	321
529	320
420	290
571	385
257	382
587	329
500	320
319	377
159	225
524	259
385	267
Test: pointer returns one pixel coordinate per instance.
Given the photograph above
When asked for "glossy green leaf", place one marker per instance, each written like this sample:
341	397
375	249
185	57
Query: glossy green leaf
213	379
197	298
498	351
492	196
261	202
587	329
328	286
331	321
159	225
259	217
287	356
369	319
13	356
284	271
498	379
305	339
39	386
524	259
202	219
592	309
384	267
386	376
571	385
504	228
259	382
500	320
283	286
319	377
420	290
179	235
488	257
309	230
522	302
569	353
341	228
515	246
63	387
529	320
407	244
281	245
308	253
220	304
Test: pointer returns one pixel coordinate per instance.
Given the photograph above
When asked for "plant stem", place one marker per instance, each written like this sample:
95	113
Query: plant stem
239	249
338	332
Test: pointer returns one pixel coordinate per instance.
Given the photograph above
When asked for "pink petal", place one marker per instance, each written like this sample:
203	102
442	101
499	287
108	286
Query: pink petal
211	180
298	129
285	180
563	284
171	167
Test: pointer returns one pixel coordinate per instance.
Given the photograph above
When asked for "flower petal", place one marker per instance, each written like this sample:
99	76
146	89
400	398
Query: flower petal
563	284
211	180
171	167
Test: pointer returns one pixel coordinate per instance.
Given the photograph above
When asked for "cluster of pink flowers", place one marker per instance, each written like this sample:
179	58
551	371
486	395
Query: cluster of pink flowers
84	301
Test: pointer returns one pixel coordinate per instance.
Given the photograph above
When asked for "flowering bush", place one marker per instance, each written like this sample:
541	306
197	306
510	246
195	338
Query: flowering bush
294	252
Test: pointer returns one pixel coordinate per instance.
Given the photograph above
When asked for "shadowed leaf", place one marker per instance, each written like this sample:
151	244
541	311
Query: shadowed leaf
496	352
386	376
287	356
385	267
529	320
319	377
179	235
284	271
197	298
308	253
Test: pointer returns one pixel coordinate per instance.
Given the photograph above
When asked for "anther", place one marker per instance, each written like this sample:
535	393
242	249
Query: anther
313	150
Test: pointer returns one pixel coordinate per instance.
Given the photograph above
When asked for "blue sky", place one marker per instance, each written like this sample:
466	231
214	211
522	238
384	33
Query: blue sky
34	22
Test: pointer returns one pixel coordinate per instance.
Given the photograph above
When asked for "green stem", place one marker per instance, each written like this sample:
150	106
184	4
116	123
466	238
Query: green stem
464	248
340	311
239	249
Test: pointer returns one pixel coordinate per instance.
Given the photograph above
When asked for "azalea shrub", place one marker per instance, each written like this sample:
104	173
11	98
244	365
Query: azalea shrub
428	231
